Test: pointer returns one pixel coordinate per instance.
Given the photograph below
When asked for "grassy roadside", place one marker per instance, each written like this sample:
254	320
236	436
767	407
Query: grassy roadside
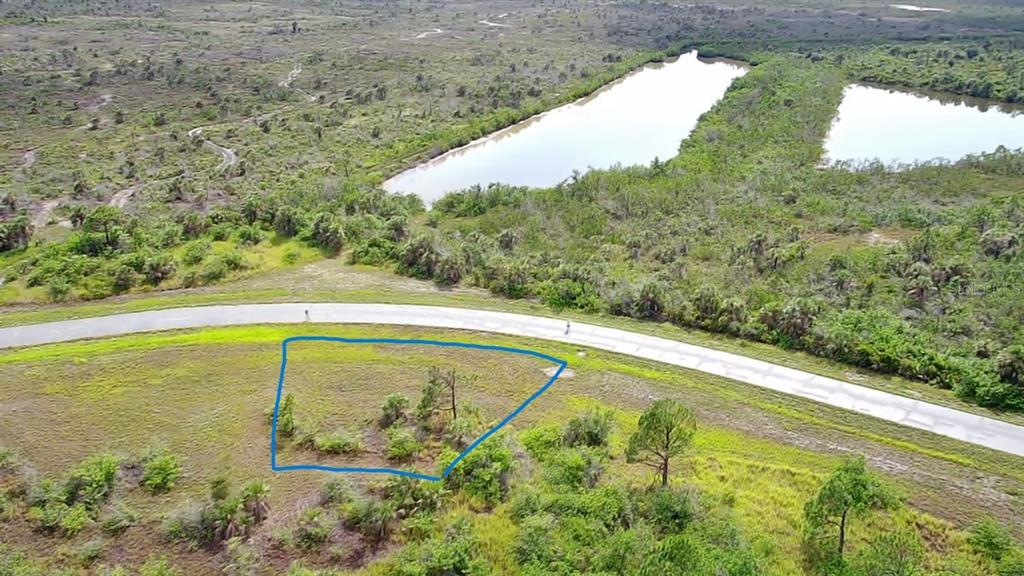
328	281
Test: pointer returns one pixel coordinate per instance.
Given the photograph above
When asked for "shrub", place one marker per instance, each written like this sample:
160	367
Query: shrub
119	519
286	417
335	492
74	519
159	567
372	518
541	441
313	529
672	510
589	429
195	252
160	470
393	409
572	467
91	481
990	539
484	472
401	445
339	442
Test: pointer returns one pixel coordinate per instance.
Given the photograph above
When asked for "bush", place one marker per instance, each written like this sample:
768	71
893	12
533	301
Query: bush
339	442
160	470
590	429
195	252
990	539
91	481
672	510
484	473
401	445
541	441
393	409
313	529
335	492
372	518
74	519
159	567
119	519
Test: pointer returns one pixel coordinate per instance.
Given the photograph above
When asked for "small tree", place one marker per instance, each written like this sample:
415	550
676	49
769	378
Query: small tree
105	219
439	390
665	430
850	491
286	417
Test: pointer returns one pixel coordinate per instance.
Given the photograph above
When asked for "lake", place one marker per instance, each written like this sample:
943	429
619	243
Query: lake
640	117
905	128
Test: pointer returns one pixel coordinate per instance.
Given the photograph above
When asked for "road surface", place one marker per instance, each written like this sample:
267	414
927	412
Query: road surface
956	424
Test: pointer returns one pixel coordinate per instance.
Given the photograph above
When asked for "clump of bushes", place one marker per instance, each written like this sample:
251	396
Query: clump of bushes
70	506
224	516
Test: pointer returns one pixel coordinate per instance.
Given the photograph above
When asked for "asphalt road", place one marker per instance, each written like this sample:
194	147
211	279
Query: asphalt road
956	424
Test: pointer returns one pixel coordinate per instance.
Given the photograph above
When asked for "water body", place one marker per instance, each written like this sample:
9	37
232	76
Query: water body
634	120
904	128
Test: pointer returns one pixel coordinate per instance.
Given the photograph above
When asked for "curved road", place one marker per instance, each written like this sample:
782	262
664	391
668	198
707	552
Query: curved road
963	426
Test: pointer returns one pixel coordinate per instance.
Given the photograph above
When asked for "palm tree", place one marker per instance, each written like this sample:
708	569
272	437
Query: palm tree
254	501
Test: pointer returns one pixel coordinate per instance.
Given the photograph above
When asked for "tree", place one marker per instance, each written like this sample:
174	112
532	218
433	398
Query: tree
665	430
105	219
850	491
286	221
440	383
254	501
15	233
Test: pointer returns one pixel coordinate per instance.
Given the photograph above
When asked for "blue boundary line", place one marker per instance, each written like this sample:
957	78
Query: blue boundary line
280	387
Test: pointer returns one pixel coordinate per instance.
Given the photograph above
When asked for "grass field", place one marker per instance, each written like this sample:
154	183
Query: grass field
762	452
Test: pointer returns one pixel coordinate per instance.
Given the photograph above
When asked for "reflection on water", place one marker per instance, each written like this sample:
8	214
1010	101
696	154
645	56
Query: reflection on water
903	128
632	121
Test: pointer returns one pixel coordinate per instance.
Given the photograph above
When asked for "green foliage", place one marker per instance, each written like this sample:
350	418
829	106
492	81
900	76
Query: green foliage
340	441
990	539
160	470
401	445
484	472
850	492
159	567
664	431
393	409
588	429
372	518
671	510
894	554
91	481
313	528
286	426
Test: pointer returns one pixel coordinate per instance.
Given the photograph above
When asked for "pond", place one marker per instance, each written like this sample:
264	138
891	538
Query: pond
904	128
643	116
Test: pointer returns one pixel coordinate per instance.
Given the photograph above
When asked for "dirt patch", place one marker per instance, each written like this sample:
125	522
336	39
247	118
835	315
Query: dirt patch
41	215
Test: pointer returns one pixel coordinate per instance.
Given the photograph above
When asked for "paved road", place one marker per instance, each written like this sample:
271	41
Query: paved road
914	413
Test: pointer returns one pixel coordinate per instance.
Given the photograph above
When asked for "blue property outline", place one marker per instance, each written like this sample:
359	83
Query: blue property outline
447	344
